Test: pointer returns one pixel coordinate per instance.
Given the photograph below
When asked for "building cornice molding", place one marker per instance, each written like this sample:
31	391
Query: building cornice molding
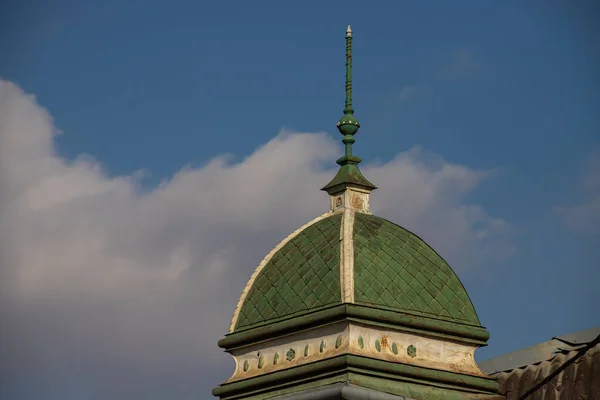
461	333
343	365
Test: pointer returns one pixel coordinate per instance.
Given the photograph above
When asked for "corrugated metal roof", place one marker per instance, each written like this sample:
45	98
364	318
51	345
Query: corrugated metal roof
569	374
539	352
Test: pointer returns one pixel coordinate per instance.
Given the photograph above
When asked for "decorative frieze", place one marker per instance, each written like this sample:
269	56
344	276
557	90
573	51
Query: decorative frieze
384	344
408	348
291	351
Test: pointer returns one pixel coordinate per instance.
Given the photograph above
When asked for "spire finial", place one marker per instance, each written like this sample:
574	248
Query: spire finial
348	125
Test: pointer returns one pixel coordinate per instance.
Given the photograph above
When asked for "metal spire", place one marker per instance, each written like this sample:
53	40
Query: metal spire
348	109
348	125
349	174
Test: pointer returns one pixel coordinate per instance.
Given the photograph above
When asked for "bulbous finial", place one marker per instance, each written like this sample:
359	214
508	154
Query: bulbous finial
348	125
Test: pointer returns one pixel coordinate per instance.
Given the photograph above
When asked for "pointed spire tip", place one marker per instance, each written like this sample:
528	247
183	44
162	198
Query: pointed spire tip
349	31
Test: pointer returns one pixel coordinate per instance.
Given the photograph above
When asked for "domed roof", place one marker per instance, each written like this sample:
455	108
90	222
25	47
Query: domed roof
392	269
351	297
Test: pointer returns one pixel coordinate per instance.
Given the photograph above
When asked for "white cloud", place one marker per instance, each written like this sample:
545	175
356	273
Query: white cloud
584	216
107	284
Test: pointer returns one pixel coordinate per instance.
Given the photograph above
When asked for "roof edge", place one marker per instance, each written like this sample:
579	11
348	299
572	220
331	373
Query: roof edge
463	333
539	352
344	364
343	390
348	175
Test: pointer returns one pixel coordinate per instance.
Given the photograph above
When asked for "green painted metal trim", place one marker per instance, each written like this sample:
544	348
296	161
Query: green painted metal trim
306	390
346	363
415	389
295	324
398	370
366	313
348	175
358	313
316	371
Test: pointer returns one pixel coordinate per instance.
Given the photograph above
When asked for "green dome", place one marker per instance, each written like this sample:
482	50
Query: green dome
350	297
393	270
303	275
397	270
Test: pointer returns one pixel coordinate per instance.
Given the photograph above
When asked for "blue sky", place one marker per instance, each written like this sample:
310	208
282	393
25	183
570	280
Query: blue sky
509	89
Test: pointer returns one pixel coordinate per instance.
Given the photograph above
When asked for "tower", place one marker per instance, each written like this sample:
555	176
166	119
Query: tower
352	306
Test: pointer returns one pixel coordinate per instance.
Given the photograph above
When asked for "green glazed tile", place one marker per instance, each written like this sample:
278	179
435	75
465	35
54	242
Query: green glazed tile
395	269
302	275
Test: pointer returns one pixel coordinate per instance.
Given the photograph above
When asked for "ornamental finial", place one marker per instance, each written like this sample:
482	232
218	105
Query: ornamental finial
348	174
348	125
